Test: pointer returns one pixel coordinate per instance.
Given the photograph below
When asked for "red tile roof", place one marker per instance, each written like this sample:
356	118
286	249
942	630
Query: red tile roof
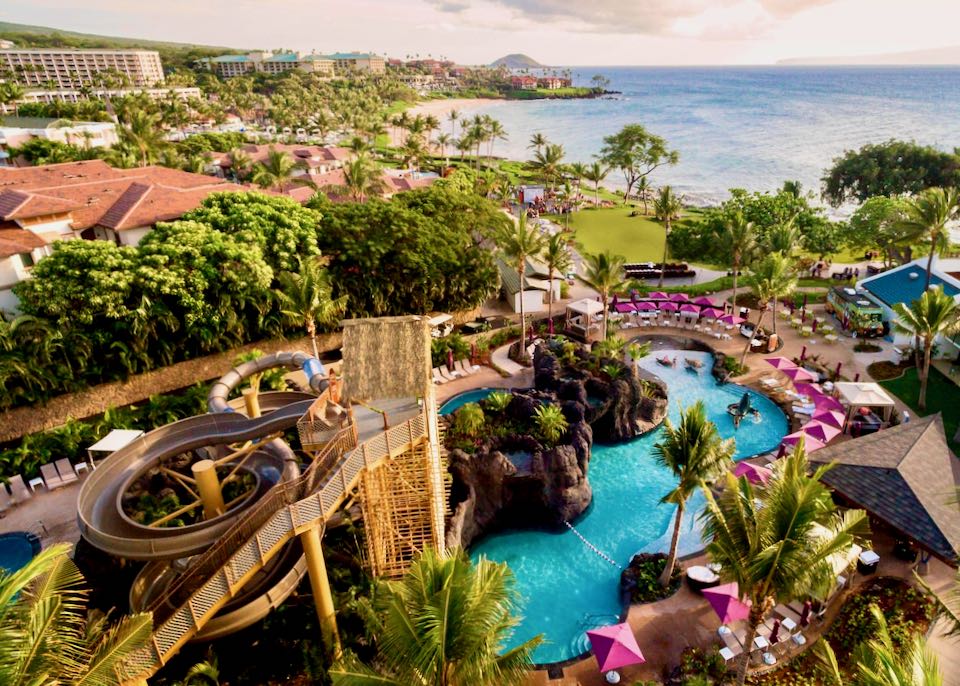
314	153
17	241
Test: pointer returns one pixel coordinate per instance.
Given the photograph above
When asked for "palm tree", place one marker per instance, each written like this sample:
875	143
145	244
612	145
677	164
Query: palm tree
547	162
579	170
305	297
696	454
947	605
771	540
518	242
739	240
362	177
932	314
603	273
538	141
556	255
143	132
771	280
784	238
453	115
47	637
667	207
927	217
276	171
595	174
240	163
443	140
495	132
446	623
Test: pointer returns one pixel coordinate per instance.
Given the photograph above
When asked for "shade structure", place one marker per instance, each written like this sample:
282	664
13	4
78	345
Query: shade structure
810	443
732	319
711	312
679	297
821	432
705	301
658	295
826	402
690	309
669	306
755	473
829	417
725	601
810	390
780	363
646	306
615	646
623	308
799	374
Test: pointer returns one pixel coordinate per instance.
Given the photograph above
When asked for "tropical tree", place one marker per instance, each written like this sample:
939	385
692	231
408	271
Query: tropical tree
446	623
643	192
443	140
947	605
517	243
305	297
453	115
595	174
240	163
636	153
637	351
776	542
772	279
933	314
47	637
603	272
694	452
739	241
667	207
537	142
362	178
142	131
927	216
556	255
495	132
276	171
548	162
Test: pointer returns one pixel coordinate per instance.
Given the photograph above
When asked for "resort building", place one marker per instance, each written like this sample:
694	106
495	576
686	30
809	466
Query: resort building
536	286
358	62
90	199
15	131
311	159
69	68
553	83
75	95
523	83
229	66
905	283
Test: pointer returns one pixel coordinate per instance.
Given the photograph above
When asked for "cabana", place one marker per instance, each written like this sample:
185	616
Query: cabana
580	319
857	394
112	442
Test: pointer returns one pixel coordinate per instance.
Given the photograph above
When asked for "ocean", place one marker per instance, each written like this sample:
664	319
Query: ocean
743	127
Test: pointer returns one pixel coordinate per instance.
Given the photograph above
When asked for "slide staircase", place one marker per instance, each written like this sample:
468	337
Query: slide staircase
288	509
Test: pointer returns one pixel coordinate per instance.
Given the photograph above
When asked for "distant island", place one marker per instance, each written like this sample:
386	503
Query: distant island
933	56
517	61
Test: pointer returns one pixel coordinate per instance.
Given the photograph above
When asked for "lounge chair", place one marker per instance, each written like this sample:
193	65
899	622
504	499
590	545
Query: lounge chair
6	502
19	489
66	470
465	368
447	374
51	479
438	377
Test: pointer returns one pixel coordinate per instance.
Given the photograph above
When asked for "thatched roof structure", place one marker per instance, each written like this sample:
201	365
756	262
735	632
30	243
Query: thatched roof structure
386	357
905	476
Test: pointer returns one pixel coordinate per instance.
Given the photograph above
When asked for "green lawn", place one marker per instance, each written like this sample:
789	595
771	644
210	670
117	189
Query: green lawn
639	239
942	396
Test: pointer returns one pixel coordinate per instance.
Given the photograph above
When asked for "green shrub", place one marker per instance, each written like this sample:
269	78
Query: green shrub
497	401
644	573
469	420
551	424
440	347
732	365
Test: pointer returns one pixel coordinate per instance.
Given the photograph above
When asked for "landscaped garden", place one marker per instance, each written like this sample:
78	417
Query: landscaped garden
638	238
942	396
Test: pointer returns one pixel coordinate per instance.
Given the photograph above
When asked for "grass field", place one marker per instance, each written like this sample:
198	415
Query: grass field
639	239
942	397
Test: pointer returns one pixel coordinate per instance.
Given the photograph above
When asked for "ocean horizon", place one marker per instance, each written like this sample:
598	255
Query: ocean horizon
750	127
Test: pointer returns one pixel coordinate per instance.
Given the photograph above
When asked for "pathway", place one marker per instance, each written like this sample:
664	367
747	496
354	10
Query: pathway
500	359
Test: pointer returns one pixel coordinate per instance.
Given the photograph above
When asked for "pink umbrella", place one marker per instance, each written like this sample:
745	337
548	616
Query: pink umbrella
799	374
693	309
825	402
646	306
810	443
808	389
679	297
780	362
669	306
705	301
658	295
821	432
731	319
725	601
711	312
829	417
615	647
755	473
624	307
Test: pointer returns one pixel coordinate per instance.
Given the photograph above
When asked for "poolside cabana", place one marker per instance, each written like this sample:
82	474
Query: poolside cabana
857	394
112	442
581	318
906	477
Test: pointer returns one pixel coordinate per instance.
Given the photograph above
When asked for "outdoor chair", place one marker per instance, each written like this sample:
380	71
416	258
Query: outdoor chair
6	502
66	471
19	489
51	479
447	374
465	368
437	378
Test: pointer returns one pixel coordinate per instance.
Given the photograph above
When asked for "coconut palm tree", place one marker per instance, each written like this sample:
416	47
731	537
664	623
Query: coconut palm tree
47	637
947	605
453	115
772	279
556	255
666	207
579	170
643	192
932	314
518	242
362	178
604	274
595	174
927	217
538	141
694	452
771	540
305	297
495	132
276	171
446	623
240	164
548	162
142	131
739	240
443	140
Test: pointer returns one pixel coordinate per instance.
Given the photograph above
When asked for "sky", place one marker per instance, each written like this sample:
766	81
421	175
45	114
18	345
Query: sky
555	32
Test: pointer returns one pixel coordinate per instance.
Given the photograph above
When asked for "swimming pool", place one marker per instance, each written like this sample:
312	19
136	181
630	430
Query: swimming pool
567	589
460	399
17	548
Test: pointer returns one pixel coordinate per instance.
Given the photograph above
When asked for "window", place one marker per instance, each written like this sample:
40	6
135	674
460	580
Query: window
27	260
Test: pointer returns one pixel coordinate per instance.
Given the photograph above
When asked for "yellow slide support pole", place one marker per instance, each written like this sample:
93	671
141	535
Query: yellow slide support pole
205	473
322	596
252	402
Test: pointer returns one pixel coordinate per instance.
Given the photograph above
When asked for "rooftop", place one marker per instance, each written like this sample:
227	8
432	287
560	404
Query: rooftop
45	123
905	284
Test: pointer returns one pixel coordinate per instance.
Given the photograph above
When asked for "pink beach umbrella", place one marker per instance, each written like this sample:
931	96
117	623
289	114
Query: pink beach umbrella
755	473
690	309
780	362
825	402
658	295
799	374
646	306
615	647
679	297
810	390
711	312
829	417
704	301
669	306
731	319
623	308
810	443
725	601
821	432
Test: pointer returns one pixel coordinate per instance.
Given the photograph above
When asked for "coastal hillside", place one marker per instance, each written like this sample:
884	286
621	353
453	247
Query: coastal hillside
25	35
517	61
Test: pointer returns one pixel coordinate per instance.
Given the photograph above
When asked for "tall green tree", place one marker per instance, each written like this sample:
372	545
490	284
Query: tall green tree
636	153
142	131
537	142
927	216
603	272
548	163
768	540
518	243
556	255
305	297
773	279
931	315
362	178
876	224
276	172
595	174
446	623
695	454
667	207
739	241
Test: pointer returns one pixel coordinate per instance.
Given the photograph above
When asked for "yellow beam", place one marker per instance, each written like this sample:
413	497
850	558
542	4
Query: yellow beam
205	472
322	596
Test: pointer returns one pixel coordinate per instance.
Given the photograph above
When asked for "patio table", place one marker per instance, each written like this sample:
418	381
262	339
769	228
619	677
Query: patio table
796	322
806	331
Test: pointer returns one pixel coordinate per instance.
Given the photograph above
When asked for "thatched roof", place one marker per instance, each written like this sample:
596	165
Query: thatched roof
906	476
386	357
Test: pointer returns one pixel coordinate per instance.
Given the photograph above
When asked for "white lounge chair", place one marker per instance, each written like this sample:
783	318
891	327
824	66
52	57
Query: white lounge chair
19	489
51	479
6	502
437	377
66	471
465	368
447	374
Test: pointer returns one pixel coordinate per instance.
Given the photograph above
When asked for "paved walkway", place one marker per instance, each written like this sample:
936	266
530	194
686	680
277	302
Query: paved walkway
500	359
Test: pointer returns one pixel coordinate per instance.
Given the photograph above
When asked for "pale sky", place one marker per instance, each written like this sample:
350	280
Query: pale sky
556	32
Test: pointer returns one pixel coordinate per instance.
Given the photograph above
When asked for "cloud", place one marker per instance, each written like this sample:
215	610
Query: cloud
651	17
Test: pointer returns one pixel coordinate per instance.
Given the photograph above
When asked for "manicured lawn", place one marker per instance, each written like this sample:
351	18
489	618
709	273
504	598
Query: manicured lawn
639	239
942	396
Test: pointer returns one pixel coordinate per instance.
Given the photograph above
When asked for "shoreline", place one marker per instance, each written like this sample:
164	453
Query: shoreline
441	107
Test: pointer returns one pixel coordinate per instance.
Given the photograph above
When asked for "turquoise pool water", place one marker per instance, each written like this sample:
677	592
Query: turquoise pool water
16	550
566	588
461	399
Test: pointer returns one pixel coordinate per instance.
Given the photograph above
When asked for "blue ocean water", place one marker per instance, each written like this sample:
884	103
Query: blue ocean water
566	588
745	127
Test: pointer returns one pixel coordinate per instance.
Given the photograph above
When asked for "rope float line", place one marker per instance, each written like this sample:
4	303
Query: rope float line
591	546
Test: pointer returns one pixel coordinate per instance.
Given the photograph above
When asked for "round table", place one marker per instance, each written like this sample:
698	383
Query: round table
700	577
